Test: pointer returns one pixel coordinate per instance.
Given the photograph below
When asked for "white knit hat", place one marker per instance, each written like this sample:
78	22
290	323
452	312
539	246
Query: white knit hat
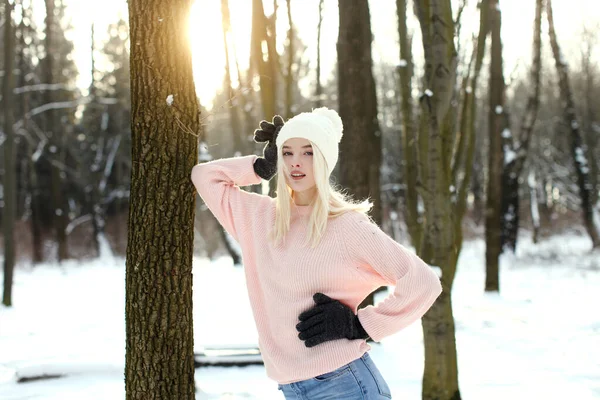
322	126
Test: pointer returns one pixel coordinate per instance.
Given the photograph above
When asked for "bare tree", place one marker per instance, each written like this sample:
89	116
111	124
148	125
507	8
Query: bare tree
582	169
159	362
360	150
9	185
515	153
497	124
441	159
409	135
56	134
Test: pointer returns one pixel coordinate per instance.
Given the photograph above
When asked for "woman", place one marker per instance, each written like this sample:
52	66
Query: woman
310	257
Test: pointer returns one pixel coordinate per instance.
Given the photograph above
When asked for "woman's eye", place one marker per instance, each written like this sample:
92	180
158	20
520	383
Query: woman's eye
287	153
309	153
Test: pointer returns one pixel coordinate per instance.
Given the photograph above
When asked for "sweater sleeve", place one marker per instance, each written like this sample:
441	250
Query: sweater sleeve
384	260
218	183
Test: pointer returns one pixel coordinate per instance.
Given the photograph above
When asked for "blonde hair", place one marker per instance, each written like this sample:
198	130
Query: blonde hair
328	202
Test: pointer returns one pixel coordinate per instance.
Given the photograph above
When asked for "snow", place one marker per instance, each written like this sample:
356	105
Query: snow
428	93
506	134
170	100
533	205
402	64
580	156
509	156
499	109
596	218
538	335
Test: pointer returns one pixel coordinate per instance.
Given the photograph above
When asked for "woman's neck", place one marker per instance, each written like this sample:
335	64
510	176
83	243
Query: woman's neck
304	198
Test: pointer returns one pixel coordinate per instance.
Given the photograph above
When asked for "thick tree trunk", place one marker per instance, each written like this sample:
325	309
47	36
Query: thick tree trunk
440	378
495	155
581	164
360	150
513	166
9	183
159	361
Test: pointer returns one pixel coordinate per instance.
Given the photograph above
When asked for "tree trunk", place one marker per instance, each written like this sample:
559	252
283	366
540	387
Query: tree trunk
577	148
56	139
533	205
9	185
360	150
495	157
409	139
159	361
513	167
440	378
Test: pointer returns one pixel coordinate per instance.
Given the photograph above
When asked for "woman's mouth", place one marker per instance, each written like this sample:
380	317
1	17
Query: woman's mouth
297	176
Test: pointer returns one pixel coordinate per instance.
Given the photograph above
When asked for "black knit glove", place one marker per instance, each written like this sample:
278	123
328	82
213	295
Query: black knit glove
329	320
266	166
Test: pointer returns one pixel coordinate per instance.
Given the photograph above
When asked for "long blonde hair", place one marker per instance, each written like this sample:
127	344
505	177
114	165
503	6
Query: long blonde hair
328	202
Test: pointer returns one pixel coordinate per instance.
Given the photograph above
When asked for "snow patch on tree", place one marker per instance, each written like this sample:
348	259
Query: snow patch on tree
509	156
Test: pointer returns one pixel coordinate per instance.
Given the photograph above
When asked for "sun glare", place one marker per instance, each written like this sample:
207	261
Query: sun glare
208	49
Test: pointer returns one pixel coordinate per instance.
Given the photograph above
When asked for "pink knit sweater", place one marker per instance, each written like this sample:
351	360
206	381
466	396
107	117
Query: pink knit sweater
353	258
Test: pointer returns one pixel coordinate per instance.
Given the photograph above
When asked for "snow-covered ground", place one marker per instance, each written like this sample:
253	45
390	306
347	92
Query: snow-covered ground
538	339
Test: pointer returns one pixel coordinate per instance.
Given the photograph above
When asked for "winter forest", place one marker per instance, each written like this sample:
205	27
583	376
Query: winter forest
472	125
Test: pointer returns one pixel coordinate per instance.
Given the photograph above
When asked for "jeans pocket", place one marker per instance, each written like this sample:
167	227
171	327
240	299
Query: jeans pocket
333	374
382	385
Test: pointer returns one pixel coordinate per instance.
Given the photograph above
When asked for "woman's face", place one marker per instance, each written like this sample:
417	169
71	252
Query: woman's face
298	164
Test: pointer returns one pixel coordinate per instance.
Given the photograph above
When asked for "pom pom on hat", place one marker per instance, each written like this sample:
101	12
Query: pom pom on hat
334	117
323	127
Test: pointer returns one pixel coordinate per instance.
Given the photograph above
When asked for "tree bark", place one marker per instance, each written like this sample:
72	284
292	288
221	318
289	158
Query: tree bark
159	361
360	150
495	154
513	167
9	185
440	377
581	164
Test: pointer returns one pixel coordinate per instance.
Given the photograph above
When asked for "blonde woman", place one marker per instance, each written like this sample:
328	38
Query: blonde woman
310	257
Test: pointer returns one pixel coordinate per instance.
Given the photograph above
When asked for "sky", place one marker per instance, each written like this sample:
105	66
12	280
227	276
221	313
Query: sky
570	17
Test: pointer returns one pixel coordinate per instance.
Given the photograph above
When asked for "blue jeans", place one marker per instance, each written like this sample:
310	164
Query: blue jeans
359	380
